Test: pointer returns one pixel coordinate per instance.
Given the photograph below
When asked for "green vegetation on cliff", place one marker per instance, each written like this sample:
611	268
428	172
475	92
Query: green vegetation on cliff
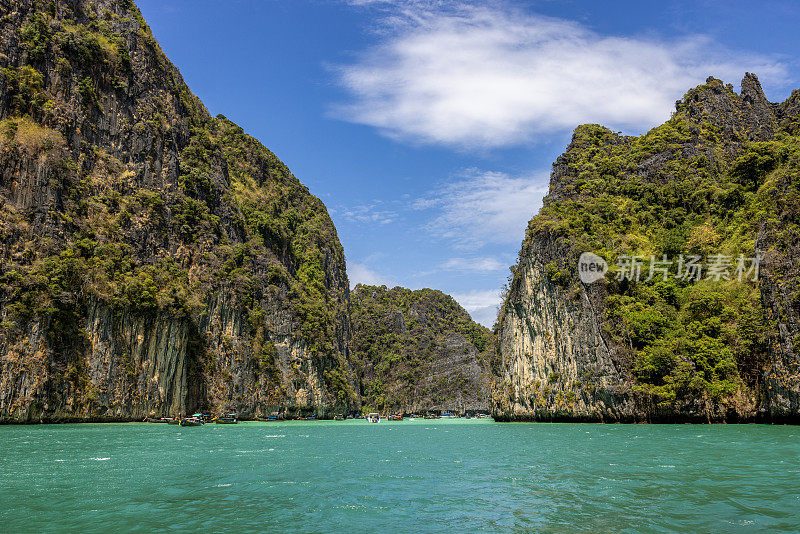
721	177
118	188
418	350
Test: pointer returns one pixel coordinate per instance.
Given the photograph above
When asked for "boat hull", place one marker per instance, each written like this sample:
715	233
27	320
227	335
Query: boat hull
186	422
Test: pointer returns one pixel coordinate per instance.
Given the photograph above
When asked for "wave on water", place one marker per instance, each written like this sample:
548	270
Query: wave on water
100	459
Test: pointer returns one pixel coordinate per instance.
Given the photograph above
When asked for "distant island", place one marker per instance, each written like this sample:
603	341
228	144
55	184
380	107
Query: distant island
419	352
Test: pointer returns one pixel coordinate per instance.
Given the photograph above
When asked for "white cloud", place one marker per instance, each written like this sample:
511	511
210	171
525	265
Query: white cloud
370	213
484	207
482	305
486	76
368	2
487	264
358	273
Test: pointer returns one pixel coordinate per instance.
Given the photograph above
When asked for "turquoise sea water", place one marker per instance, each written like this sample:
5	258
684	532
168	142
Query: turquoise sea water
409	476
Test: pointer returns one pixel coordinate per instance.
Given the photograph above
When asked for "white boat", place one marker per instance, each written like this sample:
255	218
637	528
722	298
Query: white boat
374	418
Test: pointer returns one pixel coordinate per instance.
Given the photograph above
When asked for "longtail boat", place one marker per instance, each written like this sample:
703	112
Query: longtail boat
154	420
229	419
191	421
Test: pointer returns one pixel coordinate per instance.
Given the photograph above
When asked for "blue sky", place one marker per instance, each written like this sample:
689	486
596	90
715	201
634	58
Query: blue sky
428	128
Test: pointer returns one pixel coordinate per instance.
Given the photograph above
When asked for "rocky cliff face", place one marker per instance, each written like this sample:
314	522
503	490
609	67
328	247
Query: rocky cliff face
155	260
555	361
719	178
418	351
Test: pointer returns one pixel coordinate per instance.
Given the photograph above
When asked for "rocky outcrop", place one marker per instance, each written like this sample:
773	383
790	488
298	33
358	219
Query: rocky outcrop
589	352
418	351
155	260
747	116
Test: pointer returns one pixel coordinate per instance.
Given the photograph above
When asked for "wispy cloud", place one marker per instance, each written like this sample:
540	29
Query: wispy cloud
482	305
484	207
358	273
482	265
465	75
374	213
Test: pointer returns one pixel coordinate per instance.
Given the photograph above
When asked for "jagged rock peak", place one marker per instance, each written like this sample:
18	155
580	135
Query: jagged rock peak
752	92
745	116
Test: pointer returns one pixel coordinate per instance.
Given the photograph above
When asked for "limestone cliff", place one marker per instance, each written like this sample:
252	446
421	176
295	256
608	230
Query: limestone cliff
418	351
719	178
155	260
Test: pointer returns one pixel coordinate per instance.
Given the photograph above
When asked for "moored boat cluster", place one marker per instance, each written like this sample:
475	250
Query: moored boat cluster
199	419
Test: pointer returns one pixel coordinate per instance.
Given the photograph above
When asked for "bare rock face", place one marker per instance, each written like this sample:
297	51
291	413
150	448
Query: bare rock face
778	240
155	260
556	363
635	352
